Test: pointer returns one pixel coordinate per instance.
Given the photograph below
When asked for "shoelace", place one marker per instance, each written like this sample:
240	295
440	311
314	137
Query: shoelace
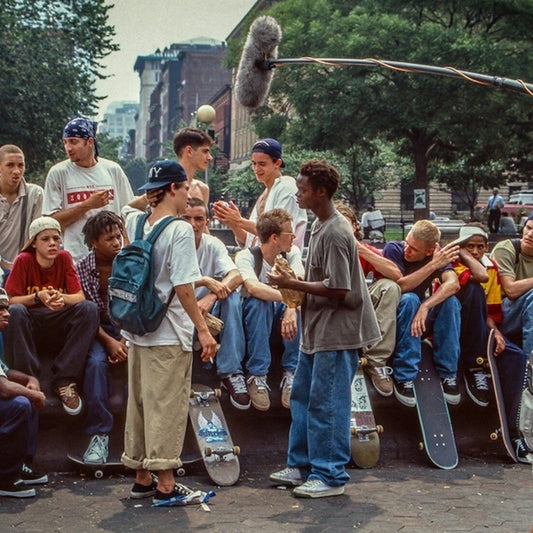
287	380
312	483
26	469
238	383
451	382
408	385
98	446
260	382
481	380
383	371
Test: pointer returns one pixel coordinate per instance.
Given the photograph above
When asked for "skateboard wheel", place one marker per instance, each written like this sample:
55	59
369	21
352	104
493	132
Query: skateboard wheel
480	360
98	474
494	435
180	472
421	446
363	361
236	450
208	451
353	430
218	393
379	428
191	394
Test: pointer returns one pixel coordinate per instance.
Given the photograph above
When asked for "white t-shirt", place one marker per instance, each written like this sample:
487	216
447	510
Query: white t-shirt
68	184
175	264
214	261
282	196
245	262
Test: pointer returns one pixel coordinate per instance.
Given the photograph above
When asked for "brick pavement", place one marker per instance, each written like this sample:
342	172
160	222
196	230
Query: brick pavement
397	496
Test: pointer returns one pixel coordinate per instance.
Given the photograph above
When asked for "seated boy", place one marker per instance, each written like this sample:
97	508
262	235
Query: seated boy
264	313
20	397
47	305
216	293
480	296
103	236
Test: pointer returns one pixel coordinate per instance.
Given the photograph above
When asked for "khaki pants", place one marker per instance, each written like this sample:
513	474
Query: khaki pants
385	295
159	381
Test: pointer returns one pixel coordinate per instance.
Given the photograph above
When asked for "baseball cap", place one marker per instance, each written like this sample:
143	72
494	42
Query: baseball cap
163	173
4	298
270	147
467	232
38	225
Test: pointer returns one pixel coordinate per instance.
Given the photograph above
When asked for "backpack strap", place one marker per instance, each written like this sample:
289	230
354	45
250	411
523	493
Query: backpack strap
258	259
517	249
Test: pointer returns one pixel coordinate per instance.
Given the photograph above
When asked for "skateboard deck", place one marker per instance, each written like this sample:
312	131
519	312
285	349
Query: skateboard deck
365	433
96	470
503	430
526	406
212	436
433	415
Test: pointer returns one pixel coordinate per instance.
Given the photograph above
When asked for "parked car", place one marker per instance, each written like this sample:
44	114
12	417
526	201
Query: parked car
520	204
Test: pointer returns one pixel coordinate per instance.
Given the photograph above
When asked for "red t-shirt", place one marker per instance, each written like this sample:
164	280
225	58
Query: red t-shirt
366	266
27	276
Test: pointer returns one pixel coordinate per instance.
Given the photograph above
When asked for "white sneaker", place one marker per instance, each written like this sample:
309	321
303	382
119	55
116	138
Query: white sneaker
286	388
287	476
98	450
316	488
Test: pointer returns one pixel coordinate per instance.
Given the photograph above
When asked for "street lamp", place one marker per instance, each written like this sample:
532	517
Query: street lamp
206	115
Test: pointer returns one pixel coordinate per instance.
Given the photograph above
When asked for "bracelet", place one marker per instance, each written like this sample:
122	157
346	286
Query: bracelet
36	298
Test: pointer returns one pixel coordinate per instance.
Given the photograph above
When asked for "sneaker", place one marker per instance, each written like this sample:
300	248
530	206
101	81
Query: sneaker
258	390
380	377
286	388
405	393
235	384
138	491
477	385
29	477
16	489
68	394
451	390
178	490
522	451
288	476
98	450
316	488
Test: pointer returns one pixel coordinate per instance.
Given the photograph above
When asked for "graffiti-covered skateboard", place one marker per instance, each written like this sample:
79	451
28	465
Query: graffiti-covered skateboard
212	436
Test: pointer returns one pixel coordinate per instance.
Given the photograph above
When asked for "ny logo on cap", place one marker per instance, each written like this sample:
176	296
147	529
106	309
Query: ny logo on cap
154	172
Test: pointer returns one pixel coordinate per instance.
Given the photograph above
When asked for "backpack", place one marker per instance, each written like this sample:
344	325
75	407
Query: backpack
258	259
517	249
132	300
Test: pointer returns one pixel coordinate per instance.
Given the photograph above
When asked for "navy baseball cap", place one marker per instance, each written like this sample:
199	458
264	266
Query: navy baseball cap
270	147
163	173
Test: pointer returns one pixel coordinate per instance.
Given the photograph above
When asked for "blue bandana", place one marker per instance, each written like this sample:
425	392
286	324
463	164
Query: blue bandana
82	128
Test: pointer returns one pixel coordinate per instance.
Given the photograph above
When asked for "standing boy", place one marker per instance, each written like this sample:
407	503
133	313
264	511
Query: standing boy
159	363
47	304
337	320
103	236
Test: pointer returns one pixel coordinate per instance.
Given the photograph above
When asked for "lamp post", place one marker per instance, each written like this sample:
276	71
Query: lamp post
205	115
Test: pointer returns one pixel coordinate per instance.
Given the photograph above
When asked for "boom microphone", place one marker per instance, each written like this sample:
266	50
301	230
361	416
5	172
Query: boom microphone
255	73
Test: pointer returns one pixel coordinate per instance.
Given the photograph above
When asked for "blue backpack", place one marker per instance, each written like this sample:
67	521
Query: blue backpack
132	301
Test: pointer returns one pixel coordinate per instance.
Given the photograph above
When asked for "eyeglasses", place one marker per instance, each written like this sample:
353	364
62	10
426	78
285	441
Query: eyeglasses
288	233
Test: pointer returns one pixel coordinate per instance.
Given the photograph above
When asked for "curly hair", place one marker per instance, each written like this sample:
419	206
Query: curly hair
321	174
100	223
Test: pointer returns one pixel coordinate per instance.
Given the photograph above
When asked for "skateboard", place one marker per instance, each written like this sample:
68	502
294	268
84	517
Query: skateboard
526	406
433	415
365	432
96	470
212	436
503	431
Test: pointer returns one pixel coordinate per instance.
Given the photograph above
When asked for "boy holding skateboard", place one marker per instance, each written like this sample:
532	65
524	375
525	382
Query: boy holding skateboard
337	320
159	363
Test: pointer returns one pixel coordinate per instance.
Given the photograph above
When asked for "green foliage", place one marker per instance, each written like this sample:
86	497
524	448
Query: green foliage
51	54
436	121
137	172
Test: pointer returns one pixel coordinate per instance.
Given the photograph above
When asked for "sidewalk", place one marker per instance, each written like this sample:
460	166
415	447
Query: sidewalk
412	497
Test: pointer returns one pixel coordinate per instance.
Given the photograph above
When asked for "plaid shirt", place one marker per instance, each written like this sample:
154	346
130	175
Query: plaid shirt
90	281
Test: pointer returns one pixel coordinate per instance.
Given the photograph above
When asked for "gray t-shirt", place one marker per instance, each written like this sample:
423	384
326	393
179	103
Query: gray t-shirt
331	324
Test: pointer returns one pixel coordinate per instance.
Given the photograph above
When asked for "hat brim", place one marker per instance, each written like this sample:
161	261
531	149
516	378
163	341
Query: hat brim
156	185
462	240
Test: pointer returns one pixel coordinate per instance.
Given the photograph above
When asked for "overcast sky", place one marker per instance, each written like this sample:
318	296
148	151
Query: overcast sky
142	26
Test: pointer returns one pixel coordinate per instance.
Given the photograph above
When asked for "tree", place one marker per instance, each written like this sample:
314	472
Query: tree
428	117
51	54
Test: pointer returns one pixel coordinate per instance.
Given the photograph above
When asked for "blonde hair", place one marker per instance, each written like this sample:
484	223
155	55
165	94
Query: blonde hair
425	231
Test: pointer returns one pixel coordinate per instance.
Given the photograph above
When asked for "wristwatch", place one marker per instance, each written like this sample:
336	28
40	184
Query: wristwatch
37	299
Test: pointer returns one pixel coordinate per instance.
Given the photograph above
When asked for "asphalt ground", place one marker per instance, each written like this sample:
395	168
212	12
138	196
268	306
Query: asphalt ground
480	495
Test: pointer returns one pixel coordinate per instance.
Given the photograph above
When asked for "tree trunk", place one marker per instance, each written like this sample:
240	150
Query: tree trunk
422	148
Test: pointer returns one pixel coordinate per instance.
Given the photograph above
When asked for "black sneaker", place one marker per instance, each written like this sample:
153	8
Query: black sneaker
451	390
404	392
477	385
29	477
237	389
522	451
178	490
138	491
16	489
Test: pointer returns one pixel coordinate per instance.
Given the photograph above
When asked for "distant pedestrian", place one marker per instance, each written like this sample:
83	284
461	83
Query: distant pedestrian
494	206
